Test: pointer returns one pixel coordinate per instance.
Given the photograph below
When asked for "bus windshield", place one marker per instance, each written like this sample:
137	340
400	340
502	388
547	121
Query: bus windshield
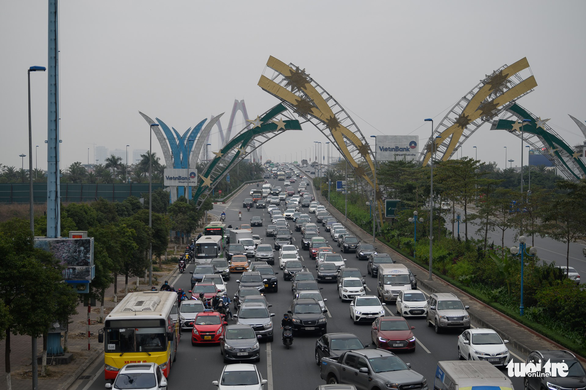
135	338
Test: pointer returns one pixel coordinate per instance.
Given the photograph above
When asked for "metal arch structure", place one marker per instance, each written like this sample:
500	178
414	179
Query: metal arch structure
258	132
239	105
202	140
538	134
485	101
304	96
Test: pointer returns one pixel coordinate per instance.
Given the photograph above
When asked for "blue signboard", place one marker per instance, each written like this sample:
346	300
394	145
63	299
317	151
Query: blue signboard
340	185
228	178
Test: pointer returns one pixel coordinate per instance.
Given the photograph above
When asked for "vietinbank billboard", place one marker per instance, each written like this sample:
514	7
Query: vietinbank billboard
180	177
397	147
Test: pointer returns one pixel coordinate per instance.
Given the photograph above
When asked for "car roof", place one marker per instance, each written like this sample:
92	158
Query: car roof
140	367
253	304
305	301
239	367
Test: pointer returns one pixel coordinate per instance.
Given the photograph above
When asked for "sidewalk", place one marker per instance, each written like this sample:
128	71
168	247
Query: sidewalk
61	377
520	337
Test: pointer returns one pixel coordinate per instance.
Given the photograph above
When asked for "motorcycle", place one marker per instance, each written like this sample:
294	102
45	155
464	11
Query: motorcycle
248	208
287	336
222	217
182	266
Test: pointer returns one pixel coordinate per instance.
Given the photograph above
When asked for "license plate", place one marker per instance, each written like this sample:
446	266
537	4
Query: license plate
242	354
310	328
417	311
397	345
493	359
266	285
207	337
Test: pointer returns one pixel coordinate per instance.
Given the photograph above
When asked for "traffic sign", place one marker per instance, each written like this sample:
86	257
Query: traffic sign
228	178
391	207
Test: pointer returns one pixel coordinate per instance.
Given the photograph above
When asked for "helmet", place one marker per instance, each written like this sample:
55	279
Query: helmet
166	282
286	315
189	291
180	290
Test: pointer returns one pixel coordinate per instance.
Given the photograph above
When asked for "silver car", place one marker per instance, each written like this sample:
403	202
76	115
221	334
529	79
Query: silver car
447	311
187	312
256	315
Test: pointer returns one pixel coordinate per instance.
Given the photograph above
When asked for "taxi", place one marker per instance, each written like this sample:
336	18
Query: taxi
208	328
239	263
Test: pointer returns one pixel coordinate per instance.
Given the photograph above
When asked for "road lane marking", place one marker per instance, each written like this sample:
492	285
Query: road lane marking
269	366
389	311
368	288
422	346
328	311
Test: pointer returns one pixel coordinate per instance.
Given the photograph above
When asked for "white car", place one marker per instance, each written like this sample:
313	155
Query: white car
570	272
334	258
187	312
288	248
312	207
257	239
366	308
217	280
240	376
351	288
148	375
336	233
288	256
313	294
411	303
483	344
289	213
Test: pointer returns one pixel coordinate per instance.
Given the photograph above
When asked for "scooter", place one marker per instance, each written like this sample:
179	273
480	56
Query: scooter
222	218
287	336
248	208
182	266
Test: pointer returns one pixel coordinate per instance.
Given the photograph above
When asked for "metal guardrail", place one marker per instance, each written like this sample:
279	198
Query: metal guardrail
231	194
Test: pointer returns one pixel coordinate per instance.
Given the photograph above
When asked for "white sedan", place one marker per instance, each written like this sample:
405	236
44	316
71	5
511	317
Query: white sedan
411	303
366	308
483	344
240	376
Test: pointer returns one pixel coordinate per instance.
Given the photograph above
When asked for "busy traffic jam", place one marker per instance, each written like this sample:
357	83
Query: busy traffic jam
276	293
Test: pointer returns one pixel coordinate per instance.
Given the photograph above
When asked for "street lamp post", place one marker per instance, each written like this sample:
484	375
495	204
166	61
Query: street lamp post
505	158
30	152
522	150
125	166
475	152
151	201
414	219
522	251
511	163
328	171
431	153
374	202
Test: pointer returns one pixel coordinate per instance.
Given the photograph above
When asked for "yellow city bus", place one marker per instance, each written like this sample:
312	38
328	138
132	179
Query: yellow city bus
141	328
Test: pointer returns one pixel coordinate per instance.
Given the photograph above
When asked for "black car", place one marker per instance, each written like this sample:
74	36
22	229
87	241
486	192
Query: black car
248	202
243	292
574	380
319	217
334	344
291	268
251	279
327	272
282	239
375	259
306	239
307	316
363	251
348	243
269	276
305	285
199	272
348	272
325	222
222	267
299	276
271	230
240	344
235	249
305	202
256	221
261	204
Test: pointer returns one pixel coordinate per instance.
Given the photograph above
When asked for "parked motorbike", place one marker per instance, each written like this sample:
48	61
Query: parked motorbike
182	266
287	336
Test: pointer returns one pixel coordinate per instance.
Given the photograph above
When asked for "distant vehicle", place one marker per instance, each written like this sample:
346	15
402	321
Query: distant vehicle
240	376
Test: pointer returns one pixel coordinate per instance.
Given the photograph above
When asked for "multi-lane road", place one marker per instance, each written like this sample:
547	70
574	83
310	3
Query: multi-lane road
295	368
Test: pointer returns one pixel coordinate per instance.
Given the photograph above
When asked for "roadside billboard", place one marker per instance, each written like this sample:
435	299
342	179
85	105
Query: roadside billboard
397	147
180	177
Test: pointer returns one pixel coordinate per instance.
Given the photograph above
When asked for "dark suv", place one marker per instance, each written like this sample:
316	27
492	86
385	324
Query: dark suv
248	202
574	380
307	315
375	259
348	244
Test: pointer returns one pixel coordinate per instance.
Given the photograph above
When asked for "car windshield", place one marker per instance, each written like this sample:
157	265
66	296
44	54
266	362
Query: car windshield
217	279
351	240
266	271
253	312
345	344
304	276
247	241
306	285
366	247
289	248
271	227
236	247
486	338
135	380
243	292
239	259
239	378
387	363
219	263
574	368
264	248
450	305
333	257
204	270
394	325
327	267
294	264
204	289
207	320
367	302
352	274
352	283
251	278
191	308
313	295
414	297
308	308
240	334
397	280
289	255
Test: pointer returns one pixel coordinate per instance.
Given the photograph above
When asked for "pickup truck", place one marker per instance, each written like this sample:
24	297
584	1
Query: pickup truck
369	369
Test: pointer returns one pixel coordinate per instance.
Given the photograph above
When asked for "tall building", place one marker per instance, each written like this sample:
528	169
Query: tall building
101	154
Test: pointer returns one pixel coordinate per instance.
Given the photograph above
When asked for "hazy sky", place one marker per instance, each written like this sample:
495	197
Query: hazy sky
389	63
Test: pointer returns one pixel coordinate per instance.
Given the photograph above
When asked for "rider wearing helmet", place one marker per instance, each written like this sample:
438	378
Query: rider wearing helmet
286	321
166	286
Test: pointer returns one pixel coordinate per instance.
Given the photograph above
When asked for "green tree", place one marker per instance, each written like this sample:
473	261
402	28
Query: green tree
76	173
114	164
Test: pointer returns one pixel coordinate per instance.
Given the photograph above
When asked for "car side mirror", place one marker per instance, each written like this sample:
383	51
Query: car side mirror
272	314
325	299
467	342
191	272
108	385
383	303
264	381
412	327
466	307
238	281
506	341
225	323
363	370
408	365
432	308
215	383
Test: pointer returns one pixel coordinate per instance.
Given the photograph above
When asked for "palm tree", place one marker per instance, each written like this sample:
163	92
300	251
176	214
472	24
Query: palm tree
114	164
103	174
77	172
143	164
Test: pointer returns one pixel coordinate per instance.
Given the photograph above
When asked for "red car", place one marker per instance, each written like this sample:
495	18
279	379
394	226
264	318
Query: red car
393	333
208	327
209	291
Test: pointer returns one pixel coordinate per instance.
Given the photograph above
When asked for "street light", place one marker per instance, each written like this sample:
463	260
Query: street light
414	219
151	201
22	156
511	163
522	149
328	171
30	159
431	152
458	218
125	166
522	251
475	152
374	202
505	158
529	169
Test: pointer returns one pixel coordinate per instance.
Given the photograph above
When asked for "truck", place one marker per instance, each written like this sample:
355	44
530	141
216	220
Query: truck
256	195
392	279
460	374
369	369
244	237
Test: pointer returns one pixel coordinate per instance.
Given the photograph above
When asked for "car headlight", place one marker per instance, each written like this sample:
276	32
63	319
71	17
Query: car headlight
345	290
392	385
228	347
442	317
382	312
479	353
358	312
466	318
110	368
194	331
361	290
505	352
412	339
405	306
322	321
552	386
219	332
382	339
268	325
163	366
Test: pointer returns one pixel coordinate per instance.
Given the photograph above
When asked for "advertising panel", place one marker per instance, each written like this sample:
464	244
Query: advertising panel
397	147
75	254
180	177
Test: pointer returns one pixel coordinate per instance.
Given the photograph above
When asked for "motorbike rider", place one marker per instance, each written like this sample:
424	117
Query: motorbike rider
193	296
248	207
286	322
240	215
181	296
182	263
215	302
166	287
225	305
223	216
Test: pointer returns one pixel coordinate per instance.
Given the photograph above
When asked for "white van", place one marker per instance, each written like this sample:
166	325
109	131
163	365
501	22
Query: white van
469	374
392	279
